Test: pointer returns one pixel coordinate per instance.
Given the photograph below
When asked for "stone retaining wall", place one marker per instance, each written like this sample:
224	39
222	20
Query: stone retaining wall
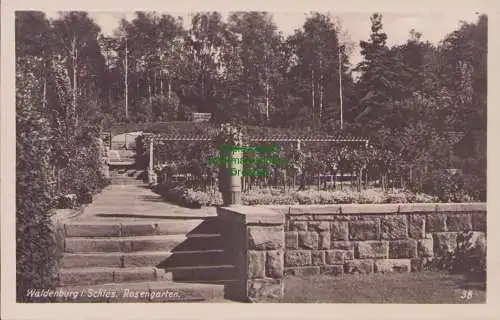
265	243
255	243
353	238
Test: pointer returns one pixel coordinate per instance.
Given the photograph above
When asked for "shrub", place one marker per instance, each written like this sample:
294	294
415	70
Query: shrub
453	187
184	193
36	262
468	258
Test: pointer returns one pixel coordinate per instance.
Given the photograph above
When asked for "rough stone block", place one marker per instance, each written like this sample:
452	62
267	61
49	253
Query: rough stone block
265	238
292	240
342	245
263	289
444	242
459	222
332	270
339	231
256	264
302	271
318	226
334	257
436	223
372	249
393	265
394	227
358	266
274	264
297	226
425	248
308	240
297	258
318	258
419	264
403	249
364	230
348	254
479	221
416	226
324	240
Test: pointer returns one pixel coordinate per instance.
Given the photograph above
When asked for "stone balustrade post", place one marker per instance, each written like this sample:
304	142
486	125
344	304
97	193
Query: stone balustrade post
255	242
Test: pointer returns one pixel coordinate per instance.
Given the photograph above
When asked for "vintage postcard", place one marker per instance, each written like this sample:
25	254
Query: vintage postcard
171	161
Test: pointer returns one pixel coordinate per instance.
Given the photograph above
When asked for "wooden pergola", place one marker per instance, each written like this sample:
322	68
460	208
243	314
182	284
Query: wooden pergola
232	192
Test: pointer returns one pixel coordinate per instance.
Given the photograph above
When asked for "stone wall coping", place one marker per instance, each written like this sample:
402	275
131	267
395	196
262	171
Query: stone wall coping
390	208
253	214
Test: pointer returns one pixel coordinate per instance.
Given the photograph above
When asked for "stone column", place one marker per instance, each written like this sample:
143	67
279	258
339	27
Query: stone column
254	239
236	177
151	171
230	177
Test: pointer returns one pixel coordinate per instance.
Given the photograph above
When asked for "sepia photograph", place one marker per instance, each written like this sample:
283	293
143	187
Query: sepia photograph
251	157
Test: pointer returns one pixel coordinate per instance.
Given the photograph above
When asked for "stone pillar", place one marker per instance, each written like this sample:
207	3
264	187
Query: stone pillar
151	171
255	239
236	177
230	177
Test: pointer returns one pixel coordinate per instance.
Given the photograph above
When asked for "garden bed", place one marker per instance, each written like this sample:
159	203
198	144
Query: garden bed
190	197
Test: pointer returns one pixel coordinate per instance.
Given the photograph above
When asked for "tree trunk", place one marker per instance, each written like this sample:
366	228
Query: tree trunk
75	67
126	79
249	104
267	101
149	90
320	93
155	87
312	94
161	82
44	101
169	89
320	102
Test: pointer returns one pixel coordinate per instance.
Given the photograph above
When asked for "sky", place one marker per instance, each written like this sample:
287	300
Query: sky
433	26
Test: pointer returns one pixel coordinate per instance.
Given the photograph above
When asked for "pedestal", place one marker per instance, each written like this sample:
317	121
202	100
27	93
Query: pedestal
152	178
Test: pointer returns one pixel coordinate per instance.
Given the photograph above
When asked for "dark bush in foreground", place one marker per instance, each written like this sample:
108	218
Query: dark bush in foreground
35	245
468	258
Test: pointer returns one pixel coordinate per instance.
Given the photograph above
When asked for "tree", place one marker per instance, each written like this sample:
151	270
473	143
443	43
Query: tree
258	43
383	76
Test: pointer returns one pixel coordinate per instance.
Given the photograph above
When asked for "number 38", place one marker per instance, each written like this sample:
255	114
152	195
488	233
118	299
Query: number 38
466	295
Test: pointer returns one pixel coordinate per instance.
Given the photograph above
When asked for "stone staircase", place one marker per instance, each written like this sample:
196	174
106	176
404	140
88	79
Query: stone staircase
181	251
126	176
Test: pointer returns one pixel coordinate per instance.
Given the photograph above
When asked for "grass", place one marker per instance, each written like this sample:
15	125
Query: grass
416	287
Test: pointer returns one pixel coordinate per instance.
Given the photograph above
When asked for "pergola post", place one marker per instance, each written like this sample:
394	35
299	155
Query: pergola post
151	171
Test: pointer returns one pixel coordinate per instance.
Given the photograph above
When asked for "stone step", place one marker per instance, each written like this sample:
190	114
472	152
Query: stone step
158	259
173	227
159	291
163	243
202	273
102	275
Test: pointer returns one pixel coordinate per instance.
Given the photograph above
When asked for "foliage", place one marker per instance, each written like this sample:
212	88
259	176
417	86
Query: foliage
448	187
190	195
35	246
468	258
58	102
